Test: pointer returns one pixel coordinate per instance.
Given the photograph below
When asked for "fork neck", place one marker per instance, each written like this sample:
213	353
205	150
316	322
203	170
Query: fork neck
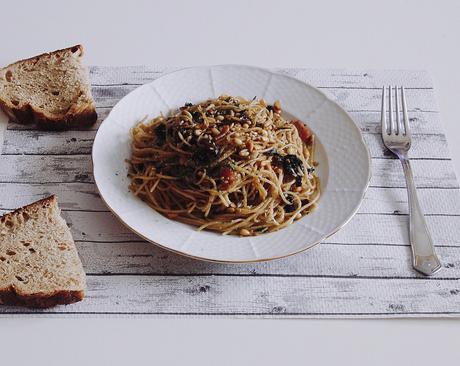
402	155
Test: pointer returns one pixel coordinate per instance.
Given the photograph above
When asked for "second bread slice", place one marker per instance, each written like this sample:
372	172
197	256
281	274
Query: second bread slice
39	263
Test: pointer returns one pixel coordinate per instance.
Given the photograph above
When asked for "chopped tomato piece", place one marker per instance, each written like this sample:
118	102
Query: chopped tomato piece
304	132
227	178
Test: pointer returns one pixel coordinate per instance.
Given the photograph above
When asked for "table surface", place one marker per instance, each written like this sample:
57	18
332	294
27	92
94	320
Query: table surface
364	270
353	34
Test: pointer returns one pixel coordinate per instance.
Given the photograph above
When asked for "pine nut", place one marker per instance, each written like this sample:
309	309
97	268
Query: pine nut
250	145
244	152
245	232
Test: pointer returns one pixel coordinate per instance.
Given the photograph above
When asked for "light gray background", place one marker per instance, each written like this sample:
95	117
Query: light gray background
341	34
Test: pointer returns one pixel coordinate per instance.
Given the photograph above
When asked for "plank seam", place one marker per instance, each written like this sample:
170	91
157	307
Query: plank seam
270	275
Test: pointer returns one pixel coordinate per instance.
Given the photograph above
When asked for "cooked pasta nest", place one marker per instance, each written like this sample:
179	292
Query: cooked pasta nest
230	165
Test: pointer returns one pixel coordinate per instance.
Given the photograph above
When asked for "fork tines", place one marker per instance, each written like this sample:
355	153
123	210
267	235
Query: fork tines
396	126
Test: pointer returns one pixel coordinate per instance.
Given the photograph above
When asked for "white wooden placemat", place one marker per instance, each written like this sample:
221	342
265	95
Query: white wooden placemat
362	271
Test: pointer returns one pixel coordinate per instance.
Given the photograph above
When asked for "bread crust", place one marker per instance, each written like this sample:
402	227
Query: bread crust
44	202
77	47
27	114
9	296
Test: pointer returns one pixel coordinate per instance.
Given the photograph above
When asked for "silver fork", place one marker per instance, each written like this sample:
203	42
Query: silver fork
397	138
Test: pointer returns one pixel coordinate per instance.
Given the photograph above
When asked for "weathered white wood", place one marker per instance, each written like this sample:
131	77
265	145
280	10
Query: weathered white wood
371	99
324	260
362	229
115	75
361	78
45	142
421	122
108	75
77	168
45	168
394	200
427	173
80	142
350	99
391	229
84	197
71	196
108	96
423	147
363	269
264	295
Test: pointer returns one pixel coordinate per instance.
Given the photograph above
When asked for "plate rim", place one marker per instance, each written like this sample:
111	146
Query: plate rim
211	260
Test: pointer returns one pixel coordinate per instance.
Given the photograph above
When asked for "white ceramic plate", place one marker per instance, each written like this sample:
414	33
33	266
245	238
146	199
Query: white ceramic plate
344	162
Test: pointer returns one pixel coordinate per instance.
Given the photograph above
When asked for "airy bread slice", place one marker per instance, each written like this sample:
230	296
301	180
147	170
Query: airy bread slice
39	263
51	90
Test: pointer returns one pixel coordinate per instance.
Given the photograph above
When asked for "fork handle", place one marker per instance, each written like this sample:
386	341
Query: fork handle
424	258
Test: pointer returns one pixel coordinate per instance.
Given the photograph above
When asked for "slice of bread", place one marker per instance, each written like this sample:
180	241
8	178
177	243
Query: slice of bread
39	263
51	90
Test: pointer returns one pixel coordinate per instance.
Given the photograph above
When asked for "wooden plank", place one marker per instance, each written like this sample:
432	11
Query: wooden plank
421	122
393	229
81	142
394	200
273	296
363	228
109	75
85	197
108	96
115	75
340	78
350	99
71	196
48	142
427	174
375	261
371	99
45	168
423	147
77	168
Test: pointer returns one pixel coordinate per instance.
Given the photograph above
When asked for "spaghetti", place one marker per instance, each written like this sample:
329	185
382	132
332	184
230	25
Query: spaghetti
228	165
